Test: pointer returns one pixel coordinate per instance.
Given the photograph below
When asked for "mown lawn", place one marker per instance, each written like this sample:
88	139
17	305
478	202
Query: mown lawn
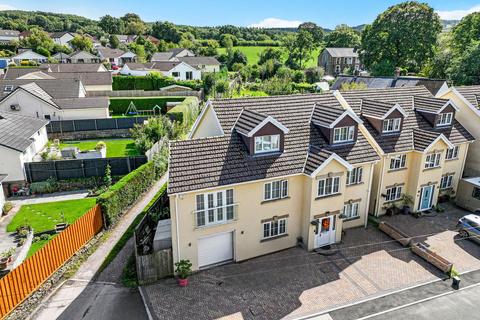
253	54
115	147
37	246
44	216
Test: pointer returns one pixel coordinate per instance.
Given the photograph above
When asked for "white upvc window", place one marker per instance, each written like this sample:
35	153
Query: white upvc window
392	125
349	60
394	193
446	182
8	88
452	153
343	134
433	160
398	162
275	190
350	210
213	208
444	119
274	228
267	143
328	186
354	176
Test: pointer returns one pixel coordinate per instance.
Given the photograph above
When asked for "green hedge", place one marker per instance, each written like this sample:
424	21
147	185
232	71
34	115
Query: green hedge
150	83
118	106
186	112
126	191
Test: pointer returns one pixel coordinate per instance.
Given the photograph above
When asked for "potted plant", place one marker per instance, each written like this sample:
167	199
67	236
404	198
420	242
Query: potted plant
407	200
6	258
392	209
183	269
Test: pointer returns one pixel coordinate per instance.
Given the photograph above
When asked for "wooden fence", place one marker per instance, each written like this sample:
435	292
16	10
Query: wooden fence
155	266
22	281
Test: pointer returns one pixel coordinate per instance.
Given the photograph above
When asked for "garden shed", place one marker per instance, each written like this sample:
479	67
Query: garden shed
468	194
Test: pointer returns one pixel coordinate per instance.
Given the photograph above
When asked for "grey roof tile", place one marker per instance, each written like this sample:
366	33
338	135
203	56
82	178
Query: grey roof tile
16	130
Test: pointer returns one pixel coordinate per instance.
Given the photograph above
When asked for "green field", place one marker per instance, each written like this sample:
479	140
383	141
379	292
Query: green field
44	216
115	147
253	54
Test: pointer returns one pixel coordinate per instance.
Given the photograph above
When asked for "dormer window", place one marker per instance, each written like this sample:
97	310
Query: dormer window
344	134
444	119
391	125
269	143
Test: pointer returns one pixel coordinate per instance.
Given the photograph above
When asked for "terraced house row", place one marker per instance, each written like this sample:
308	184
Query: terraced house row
260	175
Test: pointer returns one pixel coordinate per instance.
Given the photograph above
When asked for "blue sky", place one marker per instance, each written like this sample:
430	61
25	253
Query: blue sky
242	13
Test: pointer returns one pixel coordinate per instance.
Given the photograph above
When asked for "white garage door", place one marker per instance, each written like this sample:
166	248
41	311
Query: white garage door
215	249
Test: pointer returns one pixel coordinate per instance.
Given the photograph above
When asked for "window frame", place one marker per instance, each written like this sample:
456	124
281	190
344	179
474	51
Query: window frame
352	205
400	160
334	183
212	209
176	74
444	119
452	153
188	75
393	193
432	160
277	149
348	132
446	182
355	176
8	88
282	190
394	123
476	193
274	228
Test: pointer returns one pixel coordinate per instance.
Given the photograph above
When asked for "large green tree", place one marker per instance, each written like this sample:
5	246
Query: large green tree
466	32
343	37
38	39
465	68
166	31
82	42
134	24
403	36
111	25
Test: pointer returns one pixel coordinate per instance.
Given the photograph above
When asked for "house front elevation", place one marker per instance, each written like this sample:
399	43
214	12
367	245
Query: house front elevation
268	174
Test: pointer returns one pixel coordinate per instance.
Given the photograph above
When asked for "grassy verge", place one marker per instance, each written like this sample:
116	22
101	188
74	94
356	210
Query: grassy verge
115	147
129	273
44	216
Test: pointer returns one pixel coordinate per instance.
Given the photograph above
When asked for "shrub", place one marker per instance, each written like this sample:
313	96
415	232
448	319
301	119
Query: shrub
186	112
7	206
150	83
127	190
48	186
118	106
45	236
100	145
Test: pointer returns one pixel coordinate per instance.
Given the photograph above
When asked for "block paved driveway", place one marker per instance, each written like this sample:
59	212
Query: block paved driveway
293	283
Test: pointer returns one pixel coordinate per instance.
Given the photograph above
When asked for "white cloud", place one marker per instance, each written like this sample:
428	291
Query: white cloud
276	23
4	7
457	14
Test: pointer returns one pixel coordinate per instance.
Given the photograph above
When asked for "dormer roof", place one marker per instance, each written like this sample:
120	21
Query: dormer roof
432	105
318	158
379	109
423	140
328	116
249	122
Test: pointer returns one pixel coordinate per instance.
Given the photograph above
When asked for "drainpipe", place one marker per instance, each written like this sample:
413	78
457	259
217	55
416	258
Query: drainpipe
464	161
380	186
176	227
368	193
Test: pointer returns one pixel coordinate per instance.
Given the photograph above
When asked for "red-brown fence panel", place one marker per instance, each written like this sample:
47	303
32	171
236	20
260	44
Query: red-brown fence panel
17	285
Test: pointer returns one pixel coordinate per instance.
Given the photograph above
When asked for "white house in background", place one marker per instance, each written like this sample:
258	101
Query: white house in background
171	55
204	64
116	57
61	57
62	38
29	55
174	69
9	35
21	138
58	99
83	57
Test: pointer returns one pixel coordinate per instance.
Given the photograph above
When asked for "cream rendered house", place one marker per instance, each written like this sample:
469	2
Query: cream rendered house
423	146
467	100
264	174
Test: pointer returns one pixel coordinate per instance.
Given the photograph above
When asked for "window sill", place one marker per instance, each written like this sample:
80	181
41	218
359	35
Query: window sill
274	238
433	168
215	224
274	200
355	184
396	170
351	219
391	201
446	189
453	159
328	196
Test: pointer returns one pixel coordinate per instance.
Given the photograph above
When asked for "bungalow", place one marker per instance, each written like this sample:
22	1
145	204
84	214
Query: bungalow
71	67
116	57
61	57
174	69
6	36
21	138
83	57
62	38
171	55
204	64
57	99
29	56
